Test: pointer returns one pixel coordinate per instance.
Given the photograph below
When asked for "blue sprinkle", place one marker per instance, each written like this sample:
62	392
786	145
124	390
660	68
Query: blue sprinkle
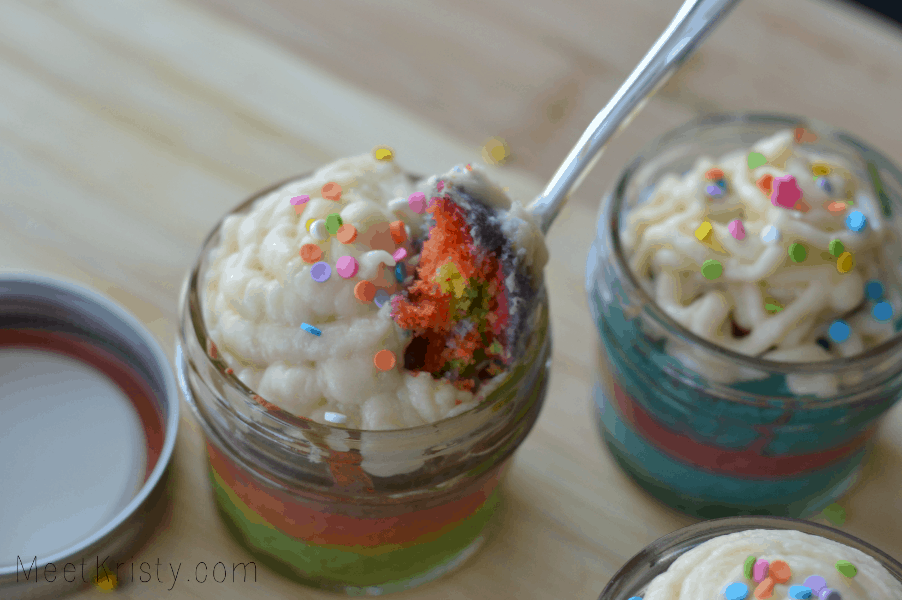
799	592
381	298
874	289
839	331
856	220
883	311
822	343
311	329
400	272
636	598
824	184
714	191
736	591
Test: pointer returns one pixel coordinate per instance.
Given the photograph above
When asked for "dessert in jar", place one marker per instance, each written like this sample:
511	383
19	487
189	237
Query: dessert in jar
745	284
364	352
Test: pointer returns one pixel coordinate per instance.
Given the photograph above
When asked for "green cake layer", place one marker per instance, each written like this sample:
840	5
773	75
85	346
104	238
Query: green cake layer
335	568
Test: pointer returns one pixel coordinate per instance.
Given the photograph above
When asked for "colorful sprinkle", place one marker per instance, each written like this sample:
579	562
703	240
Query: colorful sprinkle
714	174
365	291
333	222
748	566
298	200
332	191
737	229
816	583
311	329
383	153
845	262
837	248
736	591
440	185
334	417
820	169
803	135
801	206
846	568
400	272
381	298
772	308
765	183
797	252
779	571
384	360
703	231
765	589
786	191
839	331
799	592
398	232
834	513
824	184
319	231
714	191
829	594
883	311
347	266
836	207
770	234
756	159
321	272
417	202
399	254
636	598
874	289
495	151
856	220
310	253
309	224
346	234
712	269
759	571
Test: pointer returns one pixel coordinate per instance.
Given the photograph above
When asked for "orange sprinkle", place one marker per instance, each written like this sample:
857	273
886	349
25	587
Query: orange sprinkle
802	135
346	234
765	589
384	360
398	233
779	571
836	207
802	206
365	291
714	174
332	191
765	183
311	253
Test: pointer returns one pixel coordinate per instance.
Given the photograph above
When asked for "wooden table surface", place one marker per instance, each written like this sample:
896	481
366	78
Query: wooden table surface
127	129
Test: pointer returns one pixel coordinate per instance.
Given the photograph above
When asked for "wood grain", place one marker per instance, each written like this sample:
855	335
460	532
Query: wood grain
127	129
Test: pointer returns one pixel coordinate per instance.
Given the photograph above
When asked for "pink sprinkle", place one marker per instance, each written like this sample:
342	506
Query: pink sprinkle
300	199
440	185
417	202
399	255
737	229
346	266
786	191
759	571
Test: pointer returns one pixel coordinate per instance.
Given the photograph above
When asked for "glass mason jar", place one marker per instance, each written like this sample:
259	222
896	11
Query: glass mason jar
633	577
702	443
358	512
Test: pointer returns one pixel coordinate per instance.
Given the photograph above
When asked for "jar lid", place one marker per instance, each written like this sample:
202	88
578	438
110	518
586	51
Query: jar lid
89	411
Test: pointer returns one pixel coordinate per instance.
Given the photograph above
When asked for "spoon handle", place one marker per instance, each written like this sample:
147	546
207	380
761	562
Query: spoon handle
693	22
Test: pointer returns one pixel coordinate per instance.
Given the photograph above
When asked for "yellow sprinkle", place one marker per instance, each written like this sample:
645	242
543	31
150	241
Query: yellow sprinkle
495	151
845	262
106	581
383	153
310	223
704	231
820	169
449	278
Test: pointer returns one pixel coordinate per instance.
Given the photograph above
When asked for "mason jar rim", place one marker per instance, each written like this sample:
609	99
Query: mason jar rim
276	416
713	528
613	204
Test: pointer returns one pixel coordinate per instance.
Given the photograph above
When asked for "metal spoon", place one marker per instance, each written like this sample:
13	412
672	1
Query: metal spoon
690	26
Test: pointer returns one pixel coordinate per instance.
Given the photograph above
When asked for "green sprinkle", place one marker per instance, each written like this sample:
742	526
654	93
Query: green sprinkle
712	269
756	159
846	568
333	222
836	248
773	308
748	566
835	513
798	253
